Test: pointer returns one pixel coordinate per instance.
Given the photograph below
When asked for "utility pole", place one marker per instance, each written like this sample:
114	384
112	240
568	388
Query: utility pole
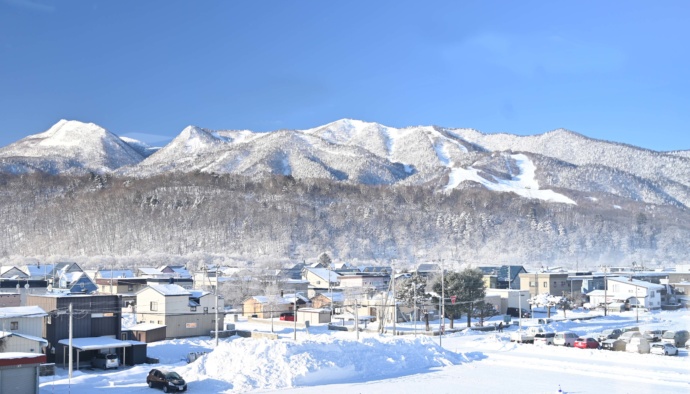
395	306
216	292
442	302
414	302
356	319
606	285
294	316
70	344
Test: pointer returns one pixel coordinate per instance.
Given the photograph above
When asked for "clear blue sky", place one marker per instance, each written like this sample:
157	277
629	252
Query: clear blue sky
614	70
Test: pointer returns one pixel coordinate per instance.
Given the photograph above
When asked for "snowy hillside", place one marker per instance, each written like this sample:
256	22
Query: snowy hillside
69	147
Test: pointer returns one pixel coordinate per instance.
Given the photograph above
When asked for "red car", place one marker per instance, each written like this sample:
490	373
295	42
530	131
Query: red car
586	343
289	316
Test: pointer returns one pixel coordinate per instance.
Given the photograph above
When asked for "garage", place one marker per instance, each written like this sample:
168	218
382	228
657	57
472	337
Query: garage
19	372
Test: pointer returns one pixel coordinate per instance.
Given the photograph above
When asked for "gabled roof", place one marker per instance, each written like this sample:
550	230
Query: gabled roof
198	293
39	270
335	296
428	267
267	299
510	272
149	271
5	334
15	272
22	311
324	274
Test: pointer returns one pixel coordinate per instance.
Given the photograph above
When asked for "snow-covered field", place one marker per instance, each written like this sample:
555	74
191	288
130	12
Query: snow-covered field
467	361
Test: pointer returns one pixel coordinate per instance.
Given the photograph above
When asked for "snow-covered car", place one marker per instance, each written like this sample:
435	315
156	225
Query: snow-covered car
544	338
653	335
665	349
613	344
526	335
629	335
612	333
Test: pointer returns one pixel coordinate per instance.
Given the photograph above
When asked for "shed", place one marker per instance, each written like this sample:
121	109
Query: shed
314	315
19	372
148	332
135	354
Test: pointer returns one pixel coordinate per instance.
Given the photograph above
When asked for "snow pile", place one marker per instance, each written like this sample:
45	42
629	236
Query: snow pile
323	359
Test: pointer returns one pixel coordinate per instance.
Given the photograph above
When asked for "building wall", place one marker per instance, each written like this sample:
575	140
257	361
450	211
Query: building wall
180	326
546	283
27	325
18	344
10	299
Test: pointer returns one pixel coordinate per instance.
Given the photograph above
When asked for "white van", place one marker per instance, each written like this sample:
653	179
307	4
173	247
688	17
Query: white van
566	338
676	338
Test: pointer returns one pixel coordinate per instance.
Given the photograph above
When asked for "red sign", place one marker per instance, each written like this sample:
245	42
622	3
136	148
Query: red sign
453	298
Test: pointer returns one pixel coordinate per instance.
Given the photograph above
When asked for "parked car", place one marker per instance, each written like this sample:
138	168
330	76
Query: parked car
566	338
628	335
653	335
676	338
613	333
105	361
287	316
613	344
637	345
513	312
526	335
168	381
586	343
665	349
544	338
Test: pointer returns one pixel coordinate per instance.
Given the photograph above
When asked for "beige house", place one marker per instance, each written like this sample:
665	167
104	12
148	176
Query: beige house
554	283
374	281
185	313
265	307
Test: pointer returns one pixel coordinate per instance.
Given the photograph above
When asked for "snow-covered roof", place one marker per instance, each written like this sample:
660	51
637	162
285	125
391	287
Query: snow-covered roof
5	334
636	282
335	296
324	274
16	355
145	327
169	290
267	299
198	293
597	293
22	311
291	298
39	270
95	343
149	271
107	274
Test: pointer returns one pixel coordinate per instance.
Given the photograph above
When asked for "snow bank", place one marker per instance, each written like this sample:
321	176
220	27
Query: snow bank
246	365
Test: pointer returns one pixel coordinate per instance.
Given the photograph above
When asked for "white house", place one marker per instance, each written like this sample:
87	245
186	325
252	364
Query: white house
635	291
21	329
185	313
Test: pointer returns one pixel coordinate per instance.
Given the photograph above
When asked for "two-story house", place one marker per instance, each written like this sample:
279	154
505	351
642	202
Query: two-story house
21	329
185	313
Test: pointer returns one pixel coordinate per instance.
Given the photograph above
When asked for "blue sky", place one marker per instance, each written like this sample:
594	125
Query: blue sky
610	70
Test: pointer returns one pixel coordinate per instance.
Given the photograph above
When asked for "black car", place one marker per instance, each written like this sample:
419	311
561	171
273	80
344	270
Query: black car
168	381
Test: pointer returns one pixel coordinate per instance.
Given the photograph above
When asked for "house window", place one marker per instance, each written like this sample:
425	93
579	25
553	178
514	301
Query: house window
192	308
532	284
154	305
546	284
14	326
205	309
130	287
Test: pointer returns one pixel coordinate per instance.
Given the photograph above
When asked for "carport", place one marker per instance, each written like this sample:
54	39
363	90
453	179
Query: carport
93	343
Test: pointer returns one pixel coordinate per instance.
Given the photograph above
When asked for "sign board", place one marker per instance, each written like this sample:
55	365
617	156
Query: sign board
453	298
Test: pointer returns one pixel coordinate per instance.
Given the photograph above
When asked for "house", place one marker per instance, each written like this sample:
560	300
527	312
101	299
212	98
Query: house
11	272
509	298
155	277
75	282
93	316
21	329
428	270
266	307
364	280
185	313
177	271
636	292
333	300
554	283
321	278
314	315
19	372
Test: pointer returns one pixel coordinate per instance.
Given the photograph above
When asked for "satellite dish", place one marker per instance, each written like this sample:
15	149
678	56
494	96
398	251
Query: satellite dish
49	288
26	286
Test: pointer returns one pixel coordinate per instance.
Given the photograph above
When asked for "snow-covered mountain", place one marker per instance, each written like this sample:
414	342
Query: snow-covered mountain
69	147
558	166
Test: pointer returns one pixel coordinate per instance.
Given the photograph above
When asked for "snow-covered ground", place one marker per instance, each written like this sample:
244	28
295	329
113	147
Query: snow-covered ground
468	361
